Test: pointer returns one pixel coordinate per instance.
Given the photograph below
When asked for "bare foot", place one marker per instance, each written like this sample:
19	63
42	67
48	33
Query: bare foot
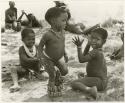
15	88
93	92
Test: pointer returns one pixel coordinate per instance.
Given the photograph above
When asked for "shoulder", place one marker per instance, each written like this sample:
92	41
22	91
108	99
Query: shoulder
7	10
47	34
15	9
21	49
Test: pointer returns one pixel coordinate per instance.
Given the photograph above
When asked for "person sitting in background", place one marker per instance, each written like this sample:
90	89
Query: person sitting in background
31	20
28	55
10	15
71	27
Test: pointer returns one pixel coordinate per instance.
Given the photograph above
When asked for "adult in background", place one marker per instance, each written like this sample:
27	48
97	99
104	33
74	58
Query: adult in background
11	17
31	20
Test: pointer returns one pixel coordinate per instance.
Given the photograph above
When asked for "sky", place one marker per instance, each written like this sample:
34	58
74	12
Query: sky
81	10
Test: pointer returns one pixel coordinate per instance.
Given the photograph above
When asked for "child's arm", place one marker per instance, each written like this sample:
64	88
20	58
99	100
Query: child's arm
65	56
19	19
83	57
87	48
78	43
41	44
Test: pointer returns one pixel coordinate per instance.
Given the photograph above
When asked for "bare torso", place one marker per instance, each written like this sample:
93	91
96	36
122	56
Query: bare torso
55	45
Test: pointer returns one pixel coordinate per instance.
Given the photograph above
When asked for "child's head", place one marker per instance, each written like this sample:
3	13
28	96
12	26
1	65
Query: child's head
98	38
28	37
56	17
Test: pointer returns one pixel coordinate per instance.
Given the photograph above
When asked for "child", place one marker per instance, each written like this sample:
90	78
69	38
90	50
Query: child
10	15
28	55
54	42
96	69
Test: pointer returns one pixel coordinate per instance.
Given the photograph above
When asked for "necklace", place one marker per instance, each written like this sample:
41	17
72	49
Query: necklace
28	52
58	34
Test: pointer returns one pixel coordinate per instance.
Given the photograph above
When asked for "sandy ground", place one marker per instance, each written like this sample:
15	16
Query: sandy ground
35	90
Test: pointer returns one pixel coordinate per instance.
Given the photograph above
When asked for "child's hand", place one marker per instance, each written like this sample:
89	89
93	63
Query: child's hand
77	41
66	58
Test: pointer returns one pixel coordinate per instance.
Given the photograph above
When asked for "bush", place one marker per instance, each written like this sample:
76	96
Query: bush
110	22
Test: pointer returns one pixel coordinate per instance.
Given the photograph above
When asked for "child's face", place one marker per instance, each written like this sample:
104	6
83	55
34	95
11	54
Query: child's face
96	40
29	40
60	22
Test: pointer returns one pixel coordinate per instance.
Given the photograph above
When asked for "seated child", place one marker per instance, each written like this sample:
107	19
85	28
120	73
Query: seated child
28	55
96	69
118	54
31	20
52	54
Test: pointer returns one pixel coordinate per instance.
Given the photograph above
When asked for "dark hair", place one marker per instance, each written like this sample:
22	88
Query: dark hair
102	32
53	12
25	32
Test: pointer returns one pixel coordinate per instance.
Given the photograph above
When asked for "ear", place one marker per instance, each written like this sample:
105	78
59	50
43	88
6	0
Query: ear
52	20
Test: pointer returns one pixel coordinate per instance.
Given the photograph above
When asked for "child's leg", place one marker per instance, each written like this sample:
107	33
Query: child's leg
88	85
14	75
62	67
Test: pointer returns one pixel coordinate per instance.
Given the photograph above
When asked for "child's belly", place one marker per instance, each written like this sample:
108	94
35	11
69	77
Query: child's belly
55	52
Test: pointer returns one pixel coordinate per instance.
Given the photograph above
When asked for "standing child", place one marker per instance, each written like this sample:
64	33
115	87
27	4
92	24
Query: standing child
96	69
54	42
28	55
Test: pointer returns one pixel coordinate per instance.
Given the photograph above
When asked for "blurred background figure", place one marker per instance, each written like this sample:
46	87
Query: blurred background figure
11	17
31	20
